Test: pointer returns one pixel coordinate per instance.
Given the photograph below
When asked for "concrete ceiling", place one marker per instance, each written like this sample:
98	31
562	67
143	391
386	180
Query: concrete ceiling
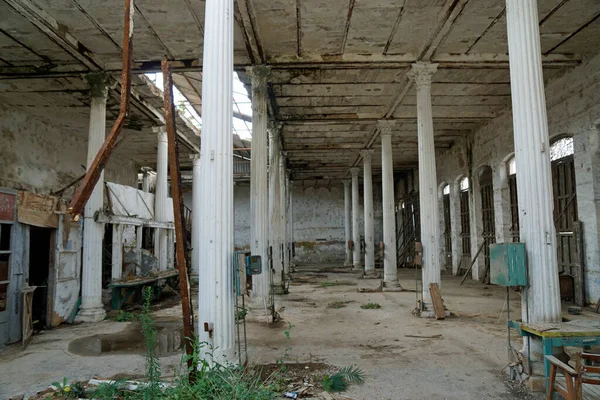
337	65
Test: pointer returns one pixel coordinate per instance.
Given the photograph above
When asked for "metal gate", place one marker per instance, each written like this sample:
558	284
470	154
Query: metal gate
447	230
487	215
465	229
409	230
568	230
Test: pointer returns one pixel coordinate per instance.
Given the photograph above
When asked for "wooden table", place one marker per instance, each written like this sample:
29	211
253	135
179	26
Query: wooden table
135	286
577	333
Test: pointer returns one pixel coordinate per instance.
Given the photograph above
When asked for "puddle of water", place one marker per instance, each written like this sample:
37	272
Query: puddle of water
169	338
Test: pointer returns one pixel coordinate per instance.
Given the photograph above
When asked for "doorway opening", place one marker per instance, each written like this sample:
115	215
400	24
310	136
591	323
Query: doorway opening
40	265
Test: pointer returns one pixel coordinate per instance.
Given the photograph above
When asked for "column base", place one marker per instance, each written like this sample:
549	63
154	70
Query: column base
357	267
427	311
95	314
279	289
348	264
392	286
371	274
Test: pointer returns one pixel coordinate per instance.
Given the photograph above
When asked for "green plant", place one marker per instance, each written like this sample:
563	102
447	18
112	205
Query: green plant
339	382
152	387
108	390
288	349
337	283
124	316
339	304
370	306
65	390
240	314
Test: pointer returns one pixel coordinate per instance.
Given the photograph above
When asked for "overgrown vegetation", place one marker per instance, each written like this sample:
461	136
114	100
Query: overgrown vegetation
124	316
339	382
370	306
339	304
337	283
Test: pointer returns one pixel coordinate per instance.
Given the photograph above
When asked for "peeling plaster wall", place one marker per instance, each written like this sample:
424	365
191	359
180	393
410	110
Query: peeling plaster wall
573	102
41	158
319	222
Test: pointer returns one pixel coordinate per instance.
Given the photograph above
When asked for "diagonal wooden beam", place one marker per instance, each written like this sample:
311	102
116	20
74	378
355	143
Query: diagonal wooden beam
93	173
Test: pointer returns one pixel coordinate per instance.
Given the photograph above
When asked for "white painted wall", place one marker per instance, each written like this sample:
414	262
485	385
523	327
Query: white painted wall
573	102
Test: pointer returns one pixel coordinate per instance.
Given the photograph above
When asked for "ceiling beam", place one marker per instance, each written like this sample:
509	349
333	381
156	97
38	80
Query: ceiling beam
451	11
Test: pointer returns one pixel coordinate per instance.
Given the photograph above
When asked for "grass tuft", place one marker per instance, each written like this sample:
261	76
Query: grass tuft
339	304
370	306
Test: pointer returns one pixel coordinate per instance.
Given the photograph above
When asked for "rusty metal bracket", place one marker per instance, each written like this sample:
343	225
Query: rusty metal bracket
92	175
179	216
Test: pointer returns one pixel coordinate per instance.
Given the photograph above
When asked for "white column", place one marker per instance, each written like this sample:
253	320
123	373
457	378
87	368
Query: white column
215	205
347	220
91	280
196	196
259	201
390	271
534	183
161	198
291	224
356	262
368	200
274	206
117	251
421	74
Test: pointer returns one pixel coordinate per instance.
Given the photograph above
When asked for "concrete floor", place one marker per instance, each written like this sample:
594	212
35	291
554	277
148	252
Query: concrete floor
464	363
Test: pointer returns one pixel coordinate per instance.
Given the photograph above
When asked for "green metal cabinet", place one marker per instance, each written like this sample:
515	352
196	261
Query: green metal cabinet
508	264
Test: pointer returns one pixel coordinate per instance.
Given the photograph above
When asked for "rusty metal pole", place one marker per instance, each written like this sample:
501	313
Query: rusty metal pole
181	242
93	173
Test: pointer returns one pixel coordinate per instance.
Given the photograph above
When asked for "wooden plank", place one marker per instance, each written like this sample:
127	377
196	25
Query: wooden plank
438	302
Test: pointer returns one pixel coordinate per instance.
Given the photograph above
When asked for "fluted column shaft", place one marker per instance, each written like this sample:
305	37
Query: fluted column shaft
196	195
356	262
286	226
390	272
275	205
93	232
348	220
161	198
534	183
215	205
368	200
259	201
428	199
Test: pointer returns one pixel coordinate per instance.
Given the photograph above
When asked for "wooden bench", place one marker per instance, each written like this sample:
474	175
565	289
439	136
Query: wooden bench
122	291
579	383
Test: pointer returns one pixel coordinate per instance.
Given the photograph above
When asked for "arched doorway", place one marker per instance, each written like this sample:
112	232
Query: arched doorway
568	232
447	225
511	172
465	224
486	189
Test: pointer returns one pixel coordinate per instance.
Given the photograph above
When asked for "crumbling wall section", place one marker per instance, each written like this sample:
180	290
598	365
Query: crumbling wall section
41	158
319	221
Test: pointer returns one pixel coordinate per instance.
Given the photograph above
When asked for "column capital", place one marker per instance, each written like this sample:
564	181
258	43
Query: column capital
421	72
98	83
274	129
259	75
385	126
354	171
367	154
346	182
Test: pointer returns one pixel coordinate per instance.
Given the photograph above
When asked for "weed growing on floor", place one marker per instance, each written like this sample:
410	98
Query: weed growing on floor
337	283
339	382
339	304
370	306
286	353
124	316
66	390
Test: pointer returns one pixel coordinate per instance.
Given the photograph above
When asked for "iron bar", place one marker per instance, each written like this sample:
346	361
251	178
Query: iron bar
178	213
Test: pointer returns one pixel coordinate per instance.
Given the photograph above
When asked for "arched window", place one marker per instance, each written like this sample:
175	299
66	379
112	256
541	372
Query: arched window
511	170
561	148
447	224
464	184
465	221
